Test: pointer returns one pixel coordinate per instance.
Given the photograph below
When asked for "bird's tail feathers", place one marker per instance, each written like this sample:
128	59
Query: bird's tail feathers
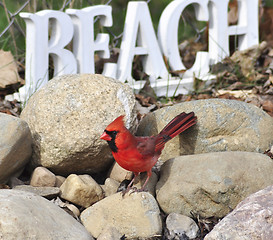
179	124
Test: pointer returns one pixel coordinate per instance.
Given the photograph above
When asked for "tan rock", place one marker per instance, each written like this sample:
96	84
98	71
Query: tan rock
15	146
211	184
135	215
110	233
119	174
110	186
59	180
42	177
222	125
67	116
82	190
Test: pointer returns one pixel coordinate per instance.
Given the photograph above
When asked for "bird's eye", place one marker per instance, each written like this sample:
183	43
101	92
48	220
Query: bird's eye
115	132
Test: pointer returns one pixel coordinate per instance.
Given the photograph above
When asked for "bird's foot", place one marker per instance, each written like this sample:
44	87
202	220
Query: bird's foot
137	190
127	190
132	190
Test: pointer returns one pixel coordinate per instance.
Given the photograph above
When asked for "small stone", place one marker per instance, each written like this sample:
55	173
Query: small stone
179	225
59	180
42	177
82	190
119	174
110	233
73	209
110	186
47	192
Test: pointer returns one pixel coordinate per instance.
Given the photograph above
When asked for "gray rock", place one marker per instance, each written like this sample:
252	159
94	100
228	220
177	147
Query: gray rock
24	215
110	186
179	226
67	116
136	215
15	146
47	192
211	184
222	125
251	219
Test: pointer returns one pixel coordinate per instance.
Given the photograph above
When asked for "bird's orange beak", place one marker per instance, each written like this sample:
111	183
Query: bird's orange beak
105	136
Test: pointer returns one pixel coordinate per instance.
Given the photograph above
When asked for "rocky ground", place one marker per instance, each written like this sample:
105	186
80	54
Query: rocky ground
214	174
220	172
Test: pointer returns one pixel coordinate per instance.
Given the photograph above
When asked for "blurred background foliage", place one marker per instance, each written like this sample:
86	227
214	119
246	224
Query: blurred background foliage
14	37
12	27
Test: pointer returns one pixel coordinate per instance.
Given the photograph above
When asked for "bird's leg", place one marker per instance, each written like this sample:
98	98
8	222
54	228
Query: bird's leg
130	184
149	174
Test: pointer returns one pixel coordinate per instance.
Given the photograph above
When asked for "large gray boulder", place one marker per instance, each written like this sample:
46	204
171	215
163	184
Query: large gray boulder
25	215
251	219
222	125
211	184
15	146
67	116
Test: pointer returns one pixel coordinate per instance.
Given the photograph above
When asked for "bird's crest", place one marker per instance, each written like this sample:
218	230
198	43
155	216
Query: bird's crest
117	124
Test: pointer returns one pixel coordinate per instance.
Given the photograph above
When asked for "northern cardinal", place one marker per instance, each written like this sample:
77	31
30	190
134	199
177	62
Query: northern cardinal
139	154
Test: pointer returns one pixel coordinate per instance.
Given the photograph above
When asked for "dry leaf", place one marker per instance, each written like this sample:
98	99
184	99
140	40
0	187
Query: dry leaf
268	106
233	12
8	70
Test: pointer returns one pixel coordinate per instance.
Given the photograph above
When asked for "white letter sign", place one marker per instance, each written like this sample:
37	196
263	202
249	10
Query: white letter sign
138	29
39	47
219	31
168	30
138	38
84	43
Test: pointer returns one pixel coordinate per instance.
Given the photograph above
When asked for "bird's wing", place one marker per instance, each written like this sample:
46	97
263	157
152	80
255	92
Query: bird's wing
146	145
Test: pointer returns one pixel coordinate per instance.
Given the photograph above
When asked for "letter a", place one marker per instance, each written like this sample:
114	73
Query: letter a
139	30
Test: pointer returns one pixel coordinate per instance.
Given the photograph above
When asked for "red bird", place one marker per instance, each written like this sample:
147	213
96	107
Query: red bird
139	154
